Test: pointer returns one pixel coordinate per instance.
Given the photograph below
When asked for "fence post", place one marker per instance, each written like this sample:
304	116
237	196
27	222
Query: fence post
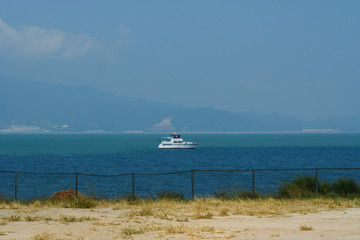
316	181
253	181
15	186
76	184
192	185
133	184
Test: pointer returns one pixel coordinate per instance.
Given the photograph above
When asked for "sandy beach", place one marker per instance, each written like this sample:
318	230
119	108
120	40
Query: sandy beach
110	223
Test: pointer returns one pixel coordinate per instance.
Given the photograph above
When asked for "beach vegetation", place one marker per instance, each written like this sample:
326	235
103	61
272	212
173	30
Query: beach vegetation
346	187
12	218
128	232
304	186
171	195
233	194
305	228
43	236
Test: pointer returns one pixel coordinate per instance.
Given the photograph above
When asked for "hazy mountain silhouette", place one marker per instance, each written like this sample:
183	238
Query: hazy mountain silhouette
80	108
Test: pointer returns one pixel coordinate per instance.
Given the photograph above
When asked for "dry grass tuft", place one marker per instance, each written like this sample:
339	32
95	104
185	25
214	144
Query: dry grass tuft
199	208
128	232
12	218
68	219
177	229
202	215
305	228
194	232
146	211
30	218
43	236
274	235
3	223
224	212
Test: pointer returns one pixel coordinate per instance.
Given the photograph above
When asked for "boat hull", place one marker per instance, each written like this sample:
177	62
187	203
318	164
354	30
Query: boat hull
177	146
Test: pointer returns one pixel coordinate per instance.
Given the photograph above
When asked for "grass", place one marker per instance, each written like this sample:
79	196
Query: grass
305	228
301	187
199	208
304	187
12	218
296	196
168	217
43	236
30	218
69	219
128	232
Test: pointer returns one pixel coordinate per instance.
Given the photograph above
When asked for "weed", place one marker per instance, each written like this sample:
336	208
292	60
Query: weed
12	218
42	236
146	211
224	212
30	218
182	219
80	203
176	229
305	228
4	199
274	235
171	195
68	219
233	194
201	215
128	232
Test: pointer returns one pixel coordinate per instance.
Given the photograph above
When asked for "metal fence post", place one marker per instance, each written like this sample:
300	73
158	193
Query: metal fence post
316	181
253	181
133	184
15	186
192	185
76	184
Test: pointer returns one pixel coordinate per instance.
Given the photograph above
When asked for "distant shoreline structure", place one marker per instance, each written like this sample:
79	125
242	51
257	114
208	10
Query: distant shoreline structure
64	129
45	132
310	130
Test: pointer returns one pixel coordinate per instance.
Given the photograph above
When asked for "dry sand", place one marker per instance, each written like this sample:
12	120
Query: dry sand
107	223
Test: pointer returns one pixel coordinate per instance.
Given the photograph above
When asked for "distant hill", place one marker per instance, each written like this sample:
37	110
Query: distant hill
36	106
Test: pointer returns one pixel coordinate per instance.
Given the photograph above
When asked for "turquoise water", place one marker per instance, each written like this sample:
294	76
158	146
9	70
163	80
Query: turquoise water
138	153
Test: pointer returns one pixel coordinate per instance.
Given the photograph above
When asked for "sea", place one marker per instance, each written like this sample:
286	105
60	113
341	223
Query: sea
117	165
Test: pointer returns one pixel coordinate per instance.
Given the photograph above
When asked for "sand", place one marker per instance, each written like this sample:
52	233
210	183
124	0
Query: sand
107	223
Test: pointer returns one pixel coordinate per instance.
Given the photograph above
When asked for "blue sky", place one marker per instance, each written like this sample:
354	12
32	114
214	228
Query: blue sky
297	58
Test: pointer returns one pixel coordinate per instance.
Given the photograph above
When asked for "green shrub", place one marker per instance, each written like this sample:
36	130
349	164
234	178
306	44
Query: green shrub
324	188
84	202
345	187
300	187
4	199
236	194
171	195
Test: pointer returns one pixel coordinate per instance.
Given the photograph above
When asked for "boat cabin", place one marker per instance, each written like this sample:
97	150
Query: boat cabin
175	135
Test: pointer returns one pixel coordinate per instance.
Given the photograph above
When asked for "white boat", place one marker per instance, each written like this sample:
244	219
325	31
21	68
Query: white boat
176	142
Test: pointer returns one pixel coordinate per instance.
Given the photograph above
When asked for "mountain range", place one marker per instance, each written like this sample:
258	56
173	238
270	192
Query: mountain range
42	107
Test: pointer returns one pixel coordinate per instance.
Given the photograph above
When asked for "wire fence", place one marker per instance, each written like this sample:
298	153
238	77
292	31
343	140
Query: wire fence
18	185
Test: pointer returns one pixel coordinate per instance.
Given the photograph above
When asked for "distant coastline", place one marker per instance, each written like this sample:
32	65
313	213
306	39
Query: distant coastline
45	132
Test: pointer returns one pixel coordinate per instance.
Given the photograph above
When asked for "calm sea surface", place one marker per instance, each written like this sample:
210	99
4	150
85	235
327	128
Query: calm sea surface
138	153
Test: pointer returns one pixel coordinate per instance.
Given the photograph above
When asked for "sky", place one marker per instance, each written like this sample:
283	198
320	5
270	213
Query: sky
296	58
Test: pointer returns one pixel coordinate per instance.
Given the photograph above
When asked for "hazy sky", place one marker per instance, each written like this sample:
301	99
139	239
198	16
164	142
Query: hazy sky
297	58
